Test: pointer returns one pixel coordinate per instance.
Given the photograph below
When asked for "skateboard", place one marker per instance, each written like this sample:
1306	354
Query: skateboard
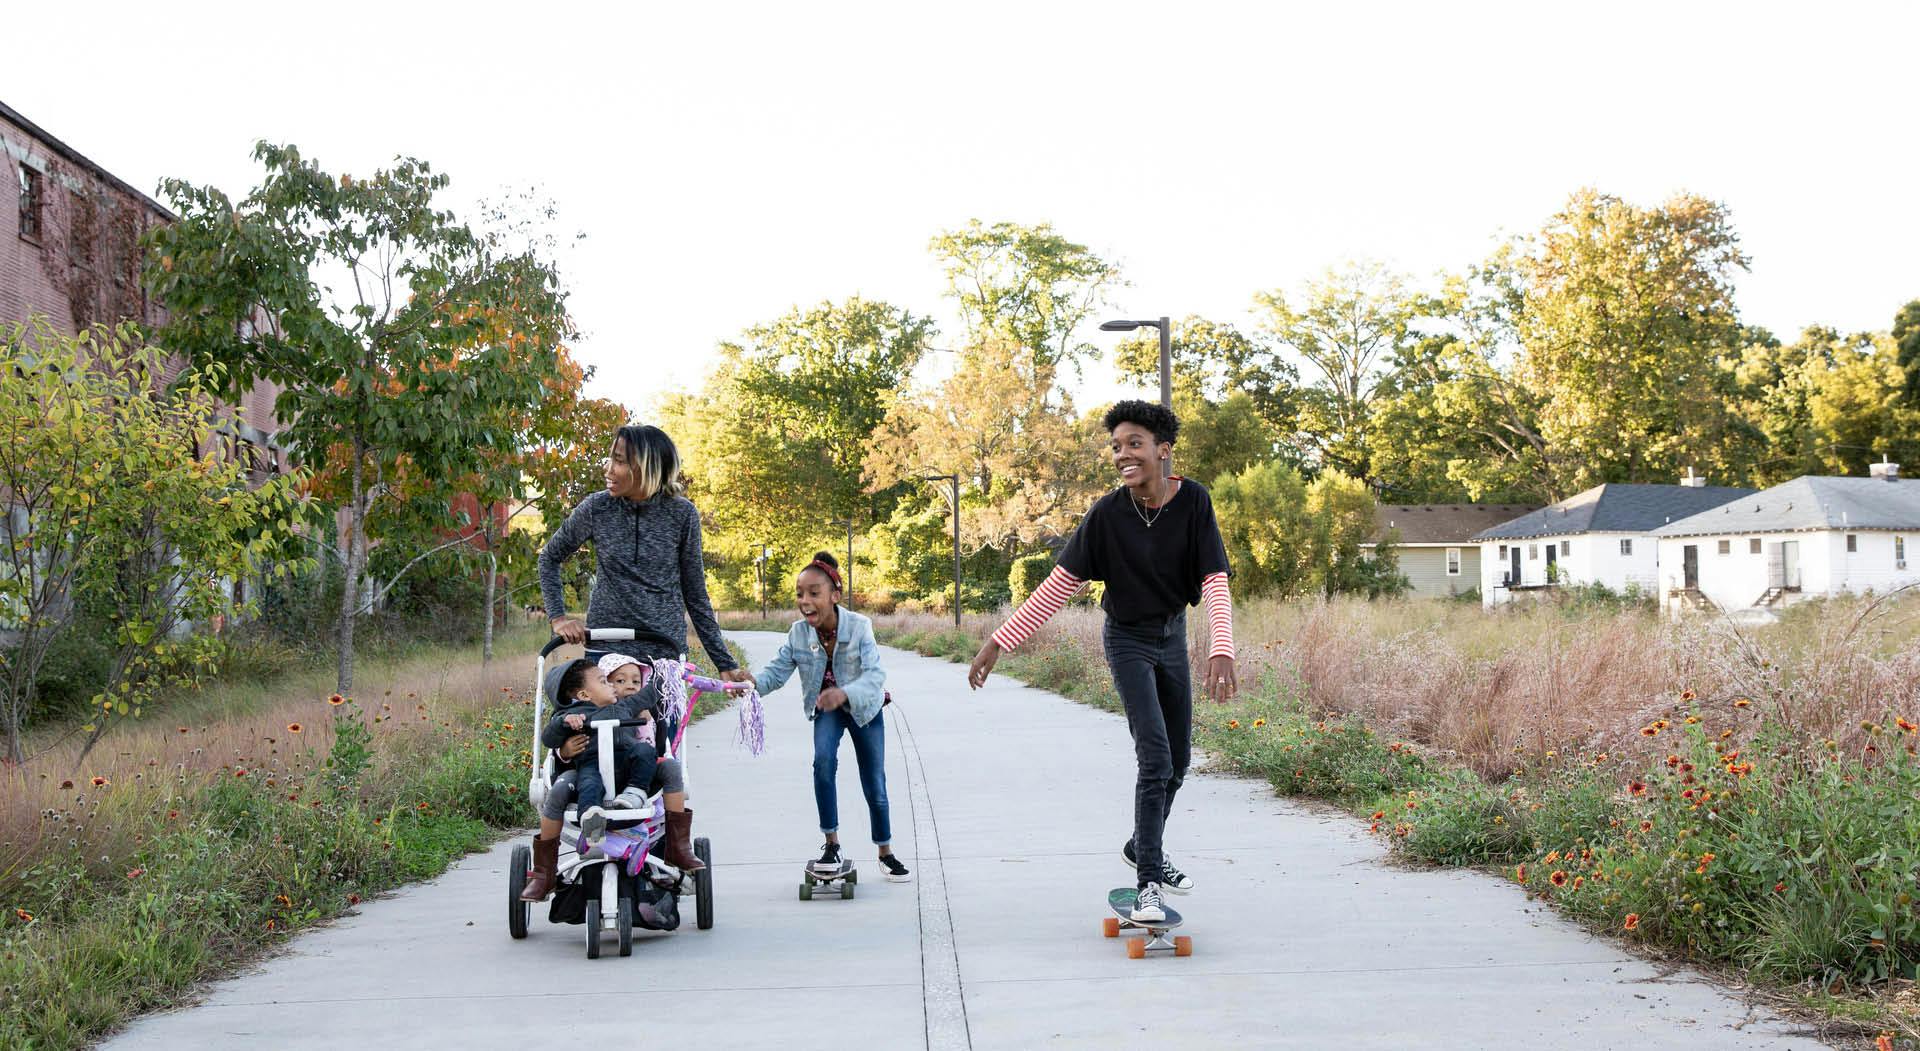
1121	901
844	879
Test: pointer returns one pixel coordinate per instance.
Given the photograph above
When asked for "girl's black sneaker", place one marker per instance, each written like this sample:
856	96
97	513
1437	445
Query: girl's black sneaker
829	859
896	872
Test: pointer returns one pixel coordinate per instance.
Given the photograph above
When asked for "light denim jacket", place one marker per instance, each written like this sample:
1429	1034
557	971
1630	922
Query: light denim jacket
856	666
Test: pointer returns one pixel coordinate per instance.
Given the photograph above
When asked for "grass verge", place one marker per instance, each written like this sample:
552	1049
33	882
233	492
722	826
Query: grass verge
182	851
1735	829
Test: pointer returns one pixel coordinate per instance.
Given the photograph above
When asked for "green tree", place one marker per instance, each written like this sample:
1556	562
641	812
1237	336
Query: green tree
1236	399
1349	324
776	441
119	502
1857	408
1004	425
433	343
1624	316
1023	283
1263	520
1450	419
1906	340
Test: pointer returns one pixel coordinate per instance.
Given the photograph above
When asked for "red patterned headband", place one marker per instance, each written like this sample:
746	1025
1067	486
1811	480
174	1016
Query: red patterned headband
831	573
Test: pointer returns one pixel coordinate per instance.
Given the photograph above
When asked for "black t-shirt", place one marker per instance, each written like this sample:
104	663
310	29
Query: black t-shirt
1151	572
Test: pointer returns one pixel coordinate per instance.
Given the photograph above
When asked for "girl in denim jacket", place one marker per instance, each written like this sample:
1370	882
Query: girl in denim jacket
843	689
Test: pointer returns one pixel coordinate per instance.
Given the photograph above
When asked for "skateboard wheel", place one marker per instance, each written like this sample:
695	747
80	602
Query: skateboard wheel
806	892
1183	945
853	876
1110	926
1136	948
846	891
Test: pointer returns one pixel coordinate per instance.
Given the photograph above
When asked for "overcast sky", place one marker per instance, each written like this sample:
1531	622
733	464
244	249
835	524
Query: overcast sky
729	161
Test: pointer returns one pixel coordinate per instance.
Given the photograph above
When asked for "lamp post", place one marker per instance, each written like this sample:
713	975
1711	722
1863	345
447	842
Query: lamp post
1166	364
1166	351
760	571
954	480
846	571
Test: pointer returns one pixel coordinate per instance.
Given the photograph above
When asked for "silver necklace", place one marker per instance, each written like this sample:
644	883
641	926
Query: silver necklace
1157	512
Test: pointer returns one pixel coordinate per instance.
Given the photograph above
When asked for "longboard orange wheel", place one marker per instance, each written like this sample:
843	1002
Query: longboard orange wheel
1110	926
1136	948
1183	945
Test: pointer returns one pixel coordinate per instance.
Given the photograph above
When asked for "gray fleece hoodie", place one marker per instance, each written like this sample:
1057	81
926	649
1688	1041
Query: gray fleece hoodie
648	572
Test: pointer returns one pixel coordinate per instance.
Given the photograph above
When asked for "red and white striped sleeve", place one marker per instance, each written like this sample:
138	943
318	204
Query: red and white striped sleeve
1039	608
1219	603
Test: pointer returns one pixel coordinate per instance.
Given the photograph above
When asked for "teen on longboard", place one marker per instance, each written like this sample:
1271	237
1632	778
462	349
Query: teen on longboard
1155	543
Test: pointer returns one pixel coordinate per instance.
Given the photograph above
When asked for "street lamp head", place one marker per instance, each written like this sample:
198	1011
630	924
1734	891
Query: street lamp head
1119	326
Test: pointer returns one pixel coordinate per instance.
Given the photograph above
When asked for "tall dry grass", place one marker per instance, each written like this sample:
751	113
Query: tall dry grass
1500	689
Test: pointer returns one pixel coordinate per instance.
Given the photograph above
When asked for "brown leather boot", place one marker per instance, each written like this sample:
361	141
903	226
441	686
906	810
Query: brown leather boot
676	847
546	860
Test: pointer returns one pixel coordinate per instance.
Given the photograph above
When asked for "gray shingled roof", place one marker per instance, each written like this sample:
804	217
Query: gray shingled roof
1617	508
1811	502
1441	523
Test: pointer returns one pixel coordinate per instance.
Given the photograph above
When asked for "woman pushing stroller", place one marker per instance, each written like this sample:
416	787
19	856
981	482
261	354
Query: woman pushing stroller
650	576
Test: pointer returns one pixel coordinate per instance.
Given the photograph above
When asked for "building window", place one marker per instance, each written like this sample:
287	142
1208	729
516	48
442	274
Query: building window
1453	561
30	194
1626	545
1899	552
1533	552
1753	546
1853	543
1503	551
1726	547
1566	548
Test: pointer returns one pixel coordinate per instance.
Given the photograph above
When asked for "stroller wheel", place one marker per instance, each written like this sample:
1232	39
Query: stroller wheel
517	882
703	885
593	930
626	926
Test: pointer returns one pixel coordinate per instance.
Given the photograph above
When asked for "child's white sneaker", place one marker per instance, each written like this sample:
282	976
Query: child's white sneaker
593	825
631	799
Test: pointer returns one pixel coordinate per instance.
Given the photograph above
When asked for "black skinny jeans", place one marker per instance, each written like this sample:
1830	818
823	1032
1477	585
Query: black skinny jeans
1149	666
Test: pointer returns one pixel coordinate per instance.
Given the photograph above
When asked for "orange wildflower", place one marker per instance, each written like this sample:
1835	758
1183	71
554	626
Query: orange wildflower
1233	724
1558	879
336	700
1638	788
136	873
1743	703
293	728
1903	724
1633	921
1520	874
1257	723
1686	695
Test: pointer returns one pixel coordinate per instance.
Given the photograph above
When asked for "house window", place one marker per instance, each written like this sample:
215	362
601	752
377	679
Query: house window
30	182
1726	547
1753	546
1626	545
1566	548
1853	543
1533	552
1899	552
1453	561
1503	551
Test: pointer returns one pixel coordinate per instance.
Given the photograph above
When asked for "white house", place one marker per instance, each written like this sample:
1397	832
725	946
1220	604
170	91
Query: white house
1434	542
1602	536
1815	535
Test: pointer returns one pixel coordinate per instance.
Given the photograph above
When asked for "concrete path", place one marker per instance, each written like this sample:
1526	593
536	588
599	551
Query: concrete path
1011	805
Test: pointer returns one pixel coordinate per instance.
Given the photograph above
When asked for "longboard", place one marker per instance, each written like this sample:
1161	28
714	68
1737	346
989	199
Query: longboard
1121	900
813	878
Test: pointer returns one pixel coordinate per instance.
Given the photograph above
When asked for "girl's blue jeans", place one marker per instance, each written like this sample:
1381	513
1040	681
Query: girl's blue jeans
869	750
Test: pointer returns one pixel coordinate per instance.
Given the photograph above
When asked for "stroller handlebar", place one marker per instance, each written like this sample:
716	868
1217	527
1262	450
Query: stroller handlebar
615	635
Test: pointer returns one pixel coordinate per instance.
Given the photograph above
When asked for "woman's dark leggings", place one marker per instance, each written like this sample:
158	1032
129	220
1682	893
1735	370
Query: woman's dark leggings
1149	666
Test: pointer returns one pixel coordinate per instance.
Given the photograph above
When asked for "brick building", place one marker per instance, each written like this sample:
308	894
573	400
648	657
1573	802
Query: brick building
70	250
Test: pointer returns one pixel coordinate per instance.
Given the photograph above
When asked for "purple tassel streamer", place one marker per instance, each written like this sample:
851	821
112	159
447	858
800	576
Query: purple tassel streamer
753	723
